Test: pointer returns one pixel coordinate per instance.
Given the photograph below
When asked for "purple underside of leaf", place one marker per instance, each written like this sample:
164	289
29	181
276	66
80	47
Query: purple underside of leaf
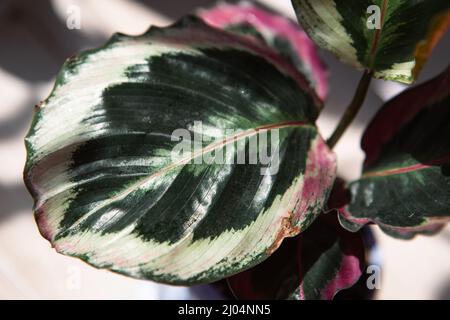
351	265
316	264
400	111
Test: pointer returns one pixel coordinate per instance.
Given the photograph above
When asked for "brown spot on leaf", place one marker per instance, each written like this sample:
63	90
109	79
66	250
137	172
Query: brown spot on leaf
287	229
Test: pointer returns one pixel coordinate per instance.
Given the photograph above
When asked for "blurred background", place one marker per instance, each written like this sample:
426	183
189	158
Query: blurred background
35	39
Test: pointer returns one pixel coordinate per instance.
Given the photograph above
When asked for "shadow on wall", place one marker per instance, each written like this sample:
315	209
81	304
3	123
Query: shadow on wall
35	43
444	292
32	33
14	199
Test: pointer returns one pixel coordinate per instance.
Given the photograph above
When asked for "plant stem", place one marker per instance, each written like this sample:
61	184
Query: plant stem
352	110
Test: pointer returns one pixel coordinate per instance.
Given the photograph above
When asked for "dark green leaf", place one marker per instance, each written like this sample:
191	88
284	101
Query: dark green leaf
100	165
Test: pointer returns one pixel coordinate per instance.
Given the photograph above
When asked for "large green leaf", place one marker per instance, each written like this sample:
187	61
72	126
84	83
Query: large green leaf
100	161
405	185
316	264
396	51
277	31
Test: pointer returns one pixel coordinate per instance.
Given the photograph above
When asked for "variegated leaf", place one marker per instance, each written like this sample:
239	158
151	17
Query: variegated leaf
100	165
405	185
316	264
391	38
277	31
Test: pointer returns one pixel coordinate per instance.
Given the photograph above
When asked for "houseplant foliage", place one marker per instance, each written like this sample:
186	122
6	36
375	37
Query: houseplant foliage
393	46
109	190
100	165
316	264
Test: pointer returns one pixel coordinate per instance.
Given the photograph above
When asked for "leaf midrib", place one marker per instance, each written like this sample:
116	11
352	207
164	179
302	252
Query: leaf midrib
183	161
406	169
377	38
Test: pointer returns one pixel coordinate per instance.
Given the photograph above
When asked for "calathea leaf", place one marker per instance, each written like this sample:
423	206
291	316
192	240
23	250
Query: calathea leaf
316	264
110	189
405	185
277	31
391	38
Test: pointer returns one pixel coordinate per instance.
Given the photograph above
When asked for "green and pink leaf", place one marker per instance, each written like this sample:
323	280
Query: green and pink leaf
316	264
100	165
405	185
